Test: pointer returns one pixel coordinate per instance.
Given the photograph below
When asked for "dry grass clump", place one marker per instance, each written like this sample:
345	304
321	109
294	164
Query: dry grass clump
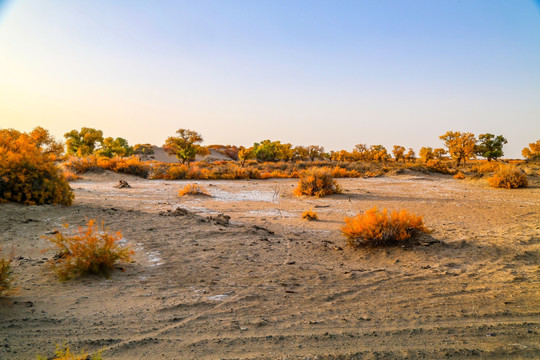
6	274
375	228
317	182
459	176
193	189
125	165
70	175
310	215
63	352
91	251
508	177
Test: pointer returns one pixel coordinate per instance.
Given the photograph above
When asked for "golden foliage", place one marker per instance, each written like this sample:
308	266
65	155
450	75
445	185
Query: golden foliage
317	182
310	215
90	251
28	173
193	189
63	352
461	146
376	228
459	176
130	165
532	152
6	274
70	175
508	177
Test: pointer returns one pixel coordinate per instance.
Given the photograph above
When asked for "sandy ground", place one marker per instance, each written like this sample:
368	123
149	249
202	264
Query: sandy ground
272	286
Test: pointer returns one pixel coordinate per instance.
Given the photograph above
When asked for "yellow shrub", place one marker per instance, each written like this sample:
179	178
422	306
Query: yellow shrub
91	251
28	174
6	274
81	164
316	182
64	353
508	177
70	175
193	189
376	228
310	215
459	176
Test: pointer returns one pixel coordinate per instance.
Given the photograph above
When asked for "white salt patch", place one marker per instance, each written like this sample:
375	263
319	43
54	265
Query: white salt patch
255	195
154	258
218	297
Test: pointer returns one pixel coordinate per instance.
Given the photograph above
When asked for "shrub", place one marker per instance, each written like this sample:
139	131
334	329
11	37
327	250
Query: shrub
63	352
6	274
316	182
27	172
459	176
193	189
508	177
376	228
310	215
91	251
70	175
131	165
439	166
82	164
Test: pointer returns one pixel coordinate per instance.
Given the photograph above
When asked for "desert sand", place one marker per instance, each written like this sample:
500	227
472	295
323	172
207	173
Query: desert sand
270	285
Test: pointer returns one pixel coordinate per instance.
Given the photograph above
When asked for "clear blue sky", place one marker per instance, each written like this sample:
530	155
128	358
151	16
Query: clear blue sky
333	73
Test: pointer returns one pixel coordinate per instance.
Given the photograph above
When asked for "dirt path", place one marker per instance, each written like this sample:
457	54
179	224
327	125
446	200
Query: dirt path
202	290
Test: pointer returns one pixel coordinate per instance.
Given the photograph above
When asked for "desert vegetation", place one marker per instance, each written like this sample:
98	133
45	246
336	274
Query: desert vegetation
194	190
63	352
508	177
316	182
379	228
90	251
6	273
310	215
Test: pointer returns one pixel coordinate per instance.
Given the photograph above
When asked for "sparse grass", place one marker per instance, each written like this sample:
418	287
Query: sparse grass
508	177
310	215
90	251
63	352
317	182
6	274
378	228
193	189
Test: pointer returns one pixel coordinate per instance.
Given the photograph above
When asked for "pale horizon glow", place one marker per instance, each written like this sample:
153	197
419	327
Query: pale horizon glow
328	73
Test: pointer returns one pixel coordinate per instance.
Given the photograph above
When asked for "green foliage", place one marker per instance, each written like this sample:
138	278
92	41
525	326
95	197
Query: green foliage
267	150
185	146
490	146
143	149
90	251
461	146
115	147
84	142
28	173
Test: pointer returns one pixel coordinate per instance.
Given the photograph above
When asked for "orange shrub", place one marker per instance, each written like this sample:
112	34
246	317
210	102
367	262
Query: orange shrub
131	165
81	164
376	228
508	177
485	167
91	251
310	215
28	174
193	189
6	274
459	176
316	182
439	166
70	175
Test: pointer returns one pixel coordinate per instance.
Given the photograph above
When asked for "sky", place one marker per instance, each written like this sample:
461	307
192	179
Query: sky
331	73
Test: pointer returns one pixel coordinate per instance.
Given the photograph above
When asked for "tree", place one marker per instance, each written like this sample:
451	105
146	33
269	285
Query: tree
378	153
143	149
267	150
361	152
115	147
411	155
426	154
300	153
83	142
184	146
490	146
439	153
315	152
532	152
245	154
399	153
460	145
